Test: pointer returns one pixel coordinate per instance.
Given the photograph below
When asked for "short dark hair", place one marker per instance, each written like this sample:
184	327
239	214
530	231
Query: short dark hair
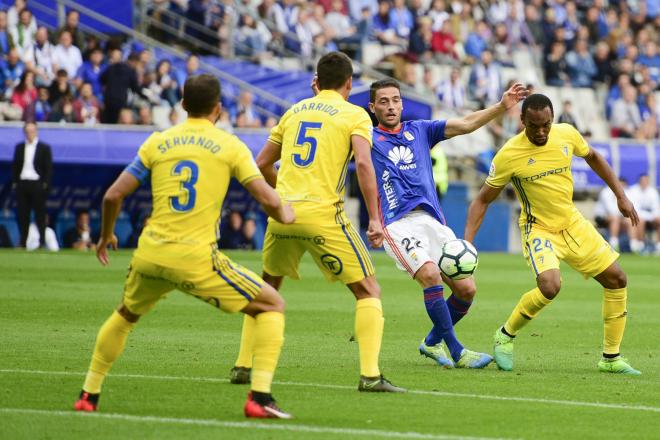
201	93
29	122
537	101
382	84
333	70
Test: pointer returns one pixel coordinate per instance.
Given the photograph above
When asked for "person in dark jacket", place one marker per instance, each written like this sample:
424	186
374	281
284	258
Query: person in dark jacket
32	169
117	80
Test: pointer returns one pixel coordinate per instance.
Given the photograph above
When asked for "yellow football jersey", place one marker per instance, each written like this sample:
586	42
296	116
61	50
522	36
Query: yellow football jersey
190	166
315	135
541	176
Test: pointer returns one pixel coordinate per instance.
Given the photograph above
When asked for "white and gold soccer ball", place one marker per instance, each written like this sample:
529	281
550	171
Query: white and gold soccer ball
459	259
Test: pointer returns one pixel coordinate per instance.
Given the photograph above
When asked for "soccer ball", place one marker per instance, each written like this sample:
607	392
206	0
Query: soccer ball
459	259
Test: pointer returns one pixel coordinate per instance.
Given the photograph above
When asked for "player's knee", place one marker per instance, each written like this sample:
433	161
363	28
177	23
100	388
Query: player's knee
550	287
466	291
429	275
366	288
619	280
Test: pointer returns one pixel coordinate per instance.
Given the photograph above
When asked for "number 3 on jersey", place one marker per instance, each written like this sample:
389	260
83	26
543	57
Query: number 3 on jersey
190	172
303	138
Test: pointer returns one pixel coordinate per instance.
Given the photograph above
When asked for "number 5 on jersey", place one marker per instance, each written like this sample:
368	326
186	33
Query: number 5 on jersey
190	172
304	139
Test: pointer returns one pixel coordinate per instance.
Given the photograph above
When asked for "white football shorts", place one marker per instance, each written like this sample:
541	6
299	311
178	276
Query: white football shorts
415	239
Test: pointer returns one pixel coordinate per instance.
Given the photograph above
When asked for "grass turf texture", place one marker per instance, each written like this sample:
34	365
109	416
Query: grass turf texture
53	305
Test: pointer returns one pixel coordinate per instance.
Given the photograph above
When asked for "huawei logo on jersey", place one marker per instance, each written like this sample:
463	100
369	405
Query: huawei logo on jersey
402	155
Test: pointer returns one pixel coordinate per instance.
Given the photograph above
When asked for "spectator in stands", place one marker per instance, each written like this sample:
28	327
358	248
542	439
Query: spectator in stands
605	71
244	114
232	236
6	42
478	41
86	108
192	68
451	92
443	44
519	32
462	24
167	83
421	41
357	8
43	57
607	214
401	19
32	169
63	110
651	58
126	117
80	236
117	79
72	26
67	56
60	87
566	116
556	67
91	43
249	232
90	72
10	72
33	238
534	24
248	39
383	26
41	108
486	80
23	35
304	44
338	20
13	16
571	23
502	48
646	199
507	125
25	93
581	66
438	14
626	119
145	116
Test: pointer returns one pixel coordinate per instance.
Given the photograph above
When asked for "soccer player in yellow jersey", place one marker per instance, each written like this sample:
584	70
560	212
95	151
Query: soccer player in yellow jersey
189	167
537	162
315	141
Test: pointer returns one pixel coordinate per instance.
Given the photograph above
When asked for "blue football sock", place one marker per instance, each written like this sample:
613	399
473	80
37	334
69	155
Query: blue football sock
458	308
443	329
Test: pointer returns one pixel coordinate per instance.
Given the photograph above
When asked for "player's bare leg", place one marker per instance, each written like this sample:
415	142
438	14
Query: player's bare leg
615	282
369	323
110	343
267	309
530	305
444	314
240	373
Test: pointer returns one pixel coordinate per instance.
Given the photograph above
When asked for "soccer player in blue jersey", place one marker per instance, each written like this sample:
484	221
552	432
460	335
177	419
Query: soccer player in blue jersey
414	226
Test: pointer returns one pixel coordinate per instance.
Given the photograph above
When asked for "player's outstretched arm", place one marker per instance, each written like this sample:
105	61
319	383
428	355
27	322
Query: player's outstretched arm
270	201
469	123
477	210
266	160
124	186
367	181
598	163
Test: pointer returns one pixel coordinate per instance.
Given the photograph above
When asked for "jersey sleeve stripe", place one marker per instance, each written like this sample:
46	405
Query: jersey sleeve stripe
251	178
357	254
137	169
270	139
493	185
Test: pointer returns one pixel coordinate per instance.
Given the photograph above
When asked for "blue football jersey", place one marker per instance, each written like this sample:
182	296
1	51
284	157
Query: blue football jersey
402	161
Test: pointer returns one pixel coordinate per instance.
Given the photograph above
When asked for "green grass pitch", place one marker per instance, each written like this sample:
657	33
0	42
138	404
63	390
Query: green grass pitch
171	381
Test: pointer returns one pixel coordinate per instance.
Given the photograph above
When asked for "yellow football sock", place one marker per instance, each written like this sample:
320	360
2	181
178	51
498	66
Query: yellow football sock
369	323
614	318
110	343
268	340
530	304
246	351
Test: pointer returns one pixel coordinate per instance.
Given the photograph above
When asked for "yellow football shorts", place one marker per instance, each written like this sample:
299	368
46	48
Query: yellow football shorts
337	250
219	282
580	245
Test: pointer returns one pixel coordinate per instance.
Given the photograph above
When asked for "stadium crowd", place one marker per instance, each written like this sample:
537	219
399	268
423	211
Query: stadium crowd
73	77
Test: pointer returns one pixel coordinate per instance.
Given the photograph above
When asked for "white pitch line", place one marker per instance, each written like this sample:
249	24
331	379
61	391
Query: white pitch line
245	425
345	387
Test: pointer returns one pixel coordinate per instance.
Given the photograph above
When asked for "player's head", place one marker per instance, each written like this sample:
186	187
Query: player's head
334	72
537	115
385	102
201	96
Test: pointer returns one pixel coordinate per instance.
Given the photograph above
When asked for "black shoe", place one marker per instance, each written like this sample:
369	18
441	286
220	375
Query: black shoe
240	375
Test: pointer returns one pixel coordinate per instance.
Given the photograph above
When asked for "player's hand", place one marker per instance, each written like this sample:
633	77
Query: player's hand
375	234
315	84
627	209
288	214
102	248
514	95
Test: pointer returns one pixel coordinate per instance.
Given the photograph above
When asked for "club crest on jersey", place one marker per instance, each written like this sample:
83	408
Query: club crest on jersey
491	172
564	149
531	161
408	135
402	155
